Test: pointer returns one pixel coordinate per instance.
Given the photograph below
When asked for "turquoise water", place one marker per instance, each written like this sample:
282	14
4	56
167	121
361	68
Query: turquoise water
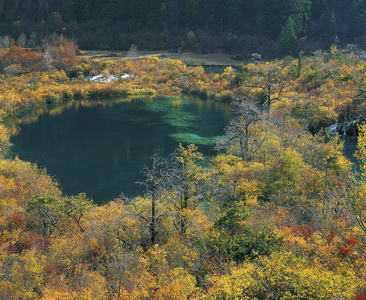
100	147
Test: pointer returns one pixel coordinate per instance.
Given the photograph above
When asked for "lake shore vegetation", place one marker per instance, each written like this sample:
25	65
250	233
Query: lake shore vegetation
278	213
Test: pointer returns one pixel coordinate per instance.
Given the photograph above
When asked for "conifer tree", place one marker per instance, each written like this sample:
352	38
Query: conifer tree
274	13
80	10
327	24
288	38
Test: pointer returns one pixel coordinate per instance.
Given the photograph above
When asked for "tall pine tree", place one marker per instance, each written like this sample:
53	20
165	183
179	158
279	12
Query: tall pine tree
327	24
273	15
288	38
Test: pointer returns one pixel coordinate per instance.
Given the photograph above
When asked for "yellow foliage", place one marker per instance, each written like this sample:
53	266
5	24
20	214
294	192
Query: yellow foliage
227	72
282	276
27	276
96	288
67	251
4	138
238	177
35	181
289	168
55	293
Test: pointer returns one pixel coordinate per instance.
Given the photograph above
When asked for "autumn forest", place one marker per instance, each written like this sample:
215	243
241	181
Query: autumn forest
277	213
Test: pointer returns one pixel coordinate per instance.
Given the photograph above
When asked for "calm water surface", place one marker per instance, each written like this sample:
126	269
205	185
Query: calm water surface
350	146
218	68
100	147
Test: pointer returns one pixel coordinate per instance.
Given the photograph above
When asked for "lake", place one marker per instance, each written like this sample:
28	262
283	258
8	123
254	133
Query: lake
100	146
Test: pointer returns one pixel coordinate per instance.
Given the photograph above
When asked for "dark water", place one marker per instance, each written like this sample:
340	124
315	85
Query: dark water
101	147
350	146
218	68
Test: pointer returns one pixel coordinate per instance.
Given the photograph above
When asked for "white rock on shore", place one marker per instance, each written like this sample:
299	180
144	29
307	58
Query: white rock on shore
105	79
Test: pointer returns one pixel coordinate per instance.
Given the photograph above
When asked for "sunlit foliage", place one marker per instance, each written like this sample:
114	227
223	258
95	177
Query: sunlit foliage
276	214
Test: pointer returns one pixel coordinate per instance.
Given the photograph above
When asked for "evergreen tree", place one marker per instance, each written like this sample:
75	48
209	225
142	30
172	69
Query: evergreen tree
172	12
3	17
271	16
299	10
355	17
288	38
327	24
190	14
317	8
274	13
80	11
235	14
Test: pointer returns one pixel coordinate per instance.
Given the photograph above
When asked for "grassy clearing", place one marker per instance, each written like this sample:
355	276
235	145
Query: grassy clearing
188	58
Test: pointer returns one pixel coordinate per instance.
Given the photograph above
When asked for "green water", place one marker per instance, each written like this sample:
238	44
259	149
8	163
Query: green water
101	146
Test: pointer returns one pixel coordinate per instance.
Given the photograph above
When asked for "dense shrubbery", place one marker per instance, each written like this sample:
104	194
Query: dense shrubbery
277	214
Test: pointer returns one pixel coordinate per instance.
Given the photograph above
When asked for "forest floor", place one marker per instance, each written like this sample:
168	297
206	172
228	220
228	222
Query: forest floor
188	58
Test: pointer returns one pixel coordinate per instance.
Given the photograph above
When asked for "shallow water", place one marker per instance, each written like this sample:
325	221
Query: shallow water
101	146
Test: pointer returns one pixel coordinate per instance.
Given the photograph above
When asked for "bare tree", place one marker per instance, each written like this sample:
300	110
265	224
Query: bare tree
269	92
48	57
155	190
33	39
132	52
22	40
267	82
246	114
5	43
173	189
184	178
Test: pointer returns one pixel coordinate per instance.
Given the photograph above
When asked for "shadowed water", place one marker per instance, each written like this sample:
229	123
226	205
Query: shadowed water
101	146
350	146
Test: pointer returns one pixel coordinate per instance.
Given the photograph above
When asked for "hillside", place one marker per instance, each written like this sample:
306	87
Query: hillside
238	27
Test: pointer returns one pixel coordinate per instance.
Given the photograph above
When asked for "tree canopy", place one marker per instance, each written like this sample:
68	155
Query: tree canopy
162	24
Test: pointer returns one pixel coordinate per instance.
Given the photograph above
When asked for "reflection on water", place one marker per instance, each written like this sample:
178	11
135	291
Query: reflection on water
32	115
100	146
